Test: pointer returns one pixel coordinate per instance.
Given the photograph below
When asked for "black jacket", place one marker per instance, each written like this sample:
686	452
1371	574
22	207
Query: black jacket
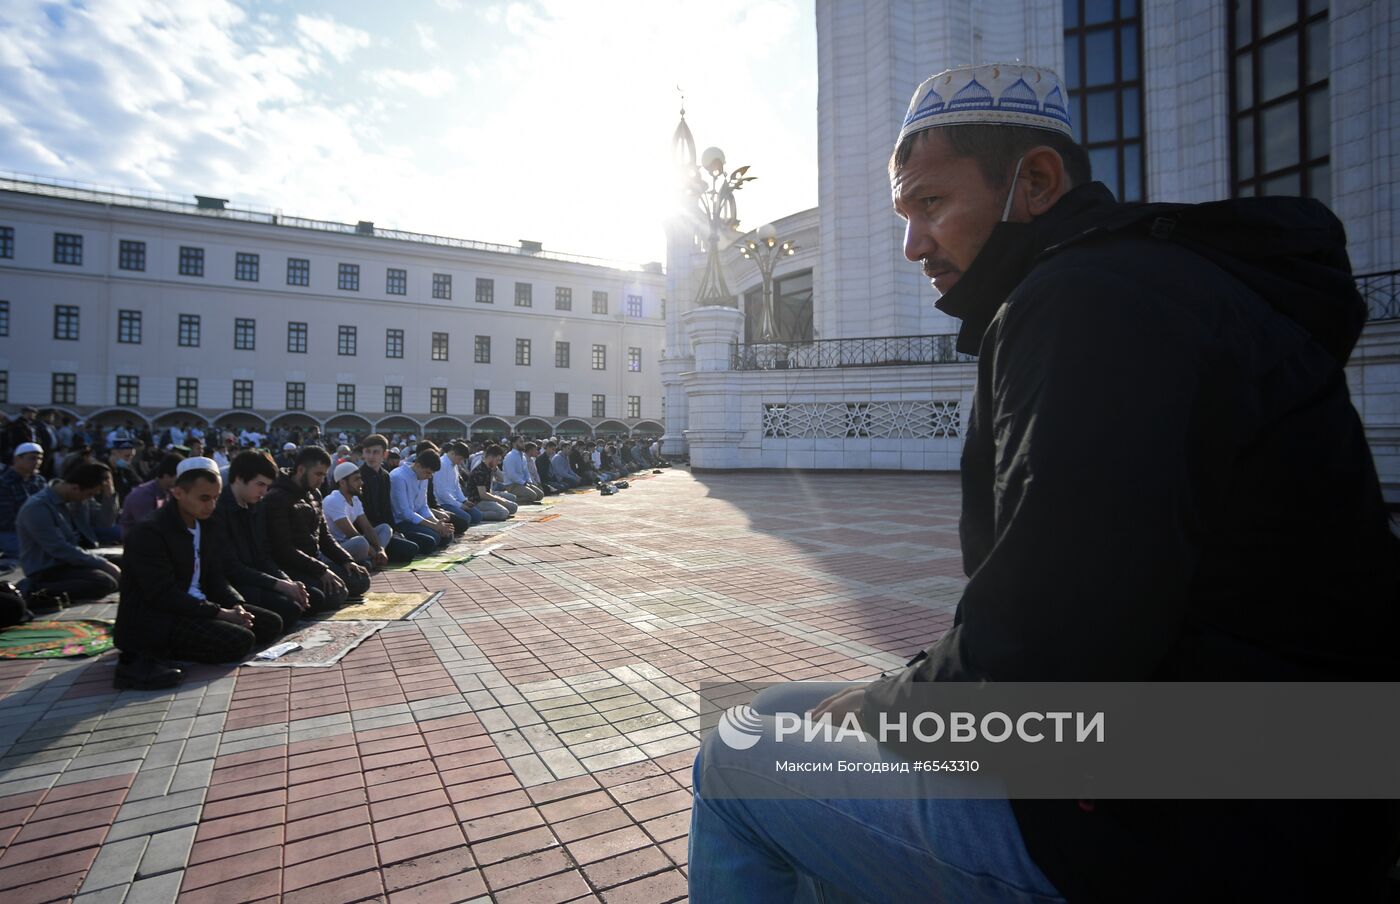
296	530
375	495
242	534
157	567
1164	479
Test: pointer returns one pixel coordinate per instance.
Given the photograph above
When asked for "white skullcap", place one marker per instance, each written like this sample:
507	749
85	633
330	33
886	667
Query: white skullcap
26	448
344	470
289	447
197	463
999	94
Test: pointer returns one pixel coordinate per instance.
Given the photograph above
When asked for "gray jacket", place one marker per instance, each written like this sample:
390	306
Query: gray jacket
48	537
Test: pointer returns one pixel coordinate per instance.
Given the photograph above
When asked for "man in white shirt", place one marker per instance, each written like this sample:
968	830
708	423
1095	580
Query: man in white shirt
447	485
516	479
345	517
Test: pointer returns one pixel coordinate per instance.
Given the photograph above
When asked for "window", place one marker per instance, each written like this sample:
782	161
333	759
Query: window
792	309
345	397
245	332
561	404
129	327
65	321
396	282
65	389
128	390
634	305
296	337
189	330
4	318
393	398
245	266
347	341
442	285
522	403
4	386
1103	73
131	255
561	354
437	400
483	350
563	299
634	359
634	406
393	343
439	347
296	396
191	261
481	401
600	357
67	248
187	392
600	302
298	271
600	406
242	394
522	352
485	291
524	295
1280	114
348	278
7	242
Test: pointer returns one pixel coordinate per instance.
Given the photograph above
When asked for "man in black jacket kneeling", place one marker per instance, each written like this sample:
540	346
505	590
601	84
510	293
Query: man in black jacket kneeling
176	601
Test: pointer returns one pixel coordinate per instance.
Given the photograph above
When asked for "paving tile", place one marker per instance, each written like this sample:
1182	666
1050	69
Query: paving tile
167	851
658	889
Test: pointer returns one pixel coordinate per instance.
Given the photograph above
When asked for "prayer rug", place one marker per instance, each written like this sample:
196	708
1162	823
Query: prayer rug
539	518
440	561
323	643
378	606
56	639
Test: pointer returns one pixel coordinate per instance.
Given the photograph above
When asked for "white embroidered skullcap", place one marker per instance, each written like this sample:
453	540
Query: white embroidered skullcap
998	94
198	463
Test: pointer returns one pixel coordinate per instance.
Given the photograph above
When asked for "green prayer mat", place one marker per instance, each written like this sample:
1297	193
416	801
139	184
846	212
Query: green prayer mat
56	639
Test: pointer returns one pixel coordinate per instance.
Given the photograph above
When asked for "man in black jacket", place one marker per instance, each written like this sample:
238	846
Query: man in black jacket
374	496
301	544
1163	480
242	530
176	601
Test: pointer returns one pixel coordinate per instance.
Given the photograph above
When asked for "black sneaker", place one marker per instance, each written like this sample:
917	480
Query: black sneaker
143	673
46	601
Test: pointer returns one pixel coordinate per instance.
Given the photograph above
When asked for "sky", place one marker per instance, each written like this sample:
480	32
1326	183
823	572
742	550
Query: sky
547	120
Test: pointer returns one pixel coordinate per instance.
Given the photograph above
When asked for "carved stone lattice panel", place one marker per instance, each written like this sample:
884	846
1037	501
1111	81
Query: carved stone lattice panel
878	420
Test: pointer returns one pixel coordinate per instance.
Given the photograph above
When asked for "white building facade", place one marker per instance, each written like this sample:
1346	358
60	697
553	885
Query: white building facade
1174	101
117	306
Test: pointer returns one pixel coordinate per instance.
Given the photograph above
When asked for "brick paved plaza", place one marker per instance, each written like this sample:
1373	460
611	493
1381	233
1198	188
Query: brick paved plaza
527	738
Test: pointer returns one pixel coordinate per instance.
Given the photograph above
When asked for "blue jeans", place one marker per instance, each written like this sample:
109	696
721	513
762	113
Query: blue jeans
427	539
9	543
468	515
805	848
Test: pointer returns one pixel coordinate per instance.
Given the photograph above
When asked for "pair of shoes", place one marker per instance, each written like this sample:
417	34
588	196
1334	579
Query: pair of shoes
608	491
656	470
47	601
144	673
622	484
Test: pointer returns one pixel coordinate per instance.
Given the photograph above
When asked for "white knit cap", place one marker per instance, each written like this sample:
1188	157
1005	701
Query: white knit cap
998	94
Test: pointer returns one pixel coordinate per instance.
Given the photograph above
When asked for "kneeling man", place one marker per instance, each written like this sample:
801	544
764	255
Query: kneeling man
176	601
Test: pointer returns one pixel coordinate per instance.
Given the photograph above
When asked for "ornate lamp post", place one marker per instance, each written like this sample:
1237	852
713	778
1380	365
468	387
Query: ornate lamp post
763	248
719	211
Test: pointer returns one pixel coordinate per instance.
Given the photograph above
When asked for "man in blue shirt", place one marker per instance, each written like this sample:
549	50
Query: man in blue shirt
408	494
517	475
50	544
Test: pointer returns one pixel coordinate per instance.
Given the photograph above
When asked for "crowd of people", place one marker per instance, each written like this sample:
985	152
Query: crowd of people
216	554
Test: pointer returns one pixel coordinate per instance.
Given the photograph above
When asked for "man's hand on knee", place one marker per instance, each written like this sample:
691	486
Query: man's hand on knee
840	704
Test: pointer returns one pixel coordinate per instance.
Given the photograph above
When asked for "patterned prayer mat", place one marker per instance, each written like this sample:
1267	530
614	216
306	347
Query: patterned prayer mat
323	643
378	606
442	561
56	639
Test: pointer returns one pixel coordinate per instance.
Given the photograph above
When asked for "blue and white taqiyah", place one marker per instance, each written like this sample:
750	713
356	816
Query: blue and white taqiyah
996	94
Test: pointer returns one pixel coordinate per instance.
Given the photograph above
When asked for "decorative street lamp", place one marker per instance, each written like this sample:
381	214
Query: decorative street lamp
716	207
763	248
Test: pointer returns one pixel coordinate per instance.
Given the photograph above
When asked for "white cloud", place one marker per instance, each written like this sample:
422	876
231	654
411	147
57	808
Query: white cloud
450	5
433	82
427	39
340	41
